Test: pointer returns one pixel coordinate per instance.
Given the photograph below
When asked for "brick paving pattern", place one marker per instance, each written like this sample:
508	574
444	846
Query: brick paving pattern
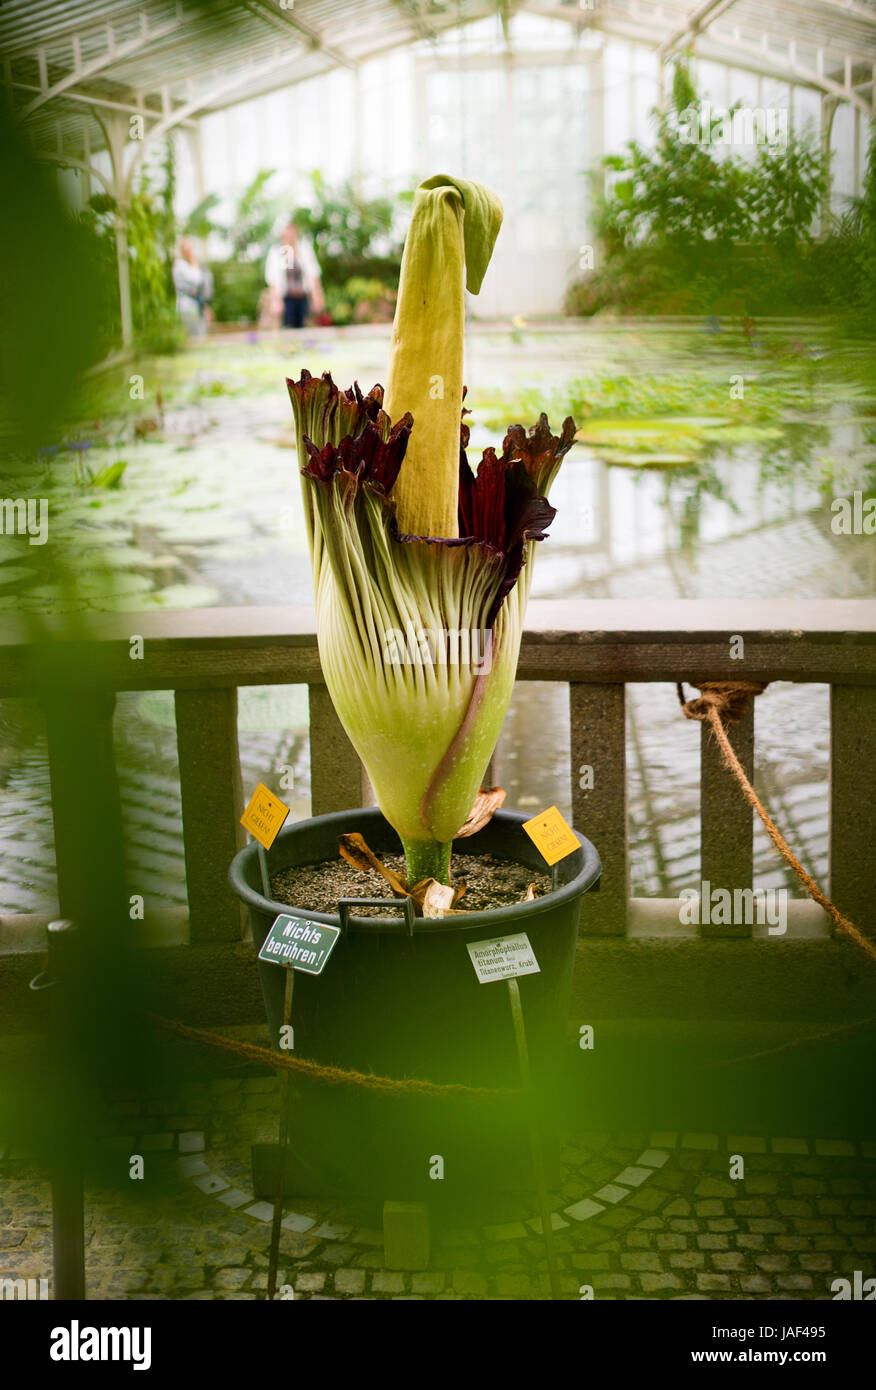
639	1215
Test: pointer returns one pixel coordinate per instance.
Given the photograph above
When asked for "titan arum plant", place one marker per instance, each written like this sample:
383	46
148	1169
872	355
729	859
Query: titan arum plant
421	569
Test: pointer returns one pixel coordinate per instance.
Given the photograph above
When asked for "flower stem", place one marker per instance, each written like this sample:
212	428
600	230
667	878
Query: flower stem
427	859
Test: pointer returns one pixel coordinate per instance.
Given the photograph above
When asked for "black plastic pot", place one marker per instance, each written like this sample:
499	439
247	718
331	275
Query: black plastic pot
411	1006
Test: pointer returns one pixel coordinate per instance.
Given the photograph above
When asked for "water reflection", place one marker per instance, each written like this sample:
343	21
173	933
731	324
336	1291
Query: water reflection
190	526
751	522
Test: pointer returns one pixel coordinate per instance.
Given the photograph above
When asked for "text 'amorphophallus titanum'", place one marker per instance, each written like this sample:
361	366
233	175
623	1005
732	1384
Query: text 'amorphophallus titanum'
421	569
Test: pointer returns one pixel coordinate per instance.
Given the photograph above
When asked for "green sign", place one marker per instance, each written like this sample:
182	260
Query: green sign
299	943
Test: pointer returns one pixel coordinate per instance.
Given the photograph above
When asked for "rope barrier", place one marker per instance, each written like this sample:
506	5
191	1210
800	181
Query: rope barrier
332	1076
722	701
789	1046
719	702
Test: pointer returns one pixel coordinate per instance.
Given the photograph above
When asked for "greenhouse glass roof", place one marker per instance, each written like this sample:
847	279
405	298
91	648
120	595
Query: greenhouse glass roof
73	69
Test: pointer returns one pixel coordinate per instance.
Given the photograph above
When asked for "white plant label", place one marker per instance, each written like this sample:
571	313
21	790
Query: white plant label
503	958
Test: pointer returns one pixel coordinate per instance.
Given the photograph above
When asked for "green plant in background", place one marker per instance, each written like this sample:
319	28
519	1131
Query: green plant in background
686	227
151	231
784	189
94	223
239	280
55	322
237	289
416	561
109	477
851	277
355	238
252	227
361	301
200	221
679	194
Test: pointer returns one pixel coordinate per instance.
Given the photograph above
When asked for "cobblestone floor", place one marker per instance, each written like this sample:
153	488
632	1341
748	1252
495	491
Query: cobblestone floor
638	1216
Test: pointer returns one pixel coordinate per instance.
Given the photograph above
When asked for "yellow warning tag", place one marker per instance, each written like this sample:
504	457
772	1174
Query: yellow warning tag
264	815
551	835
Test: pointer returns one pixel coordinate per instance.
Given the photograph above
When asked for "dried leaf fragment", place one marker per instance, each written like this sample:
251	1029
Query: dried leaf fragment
437	899
354	849
486	802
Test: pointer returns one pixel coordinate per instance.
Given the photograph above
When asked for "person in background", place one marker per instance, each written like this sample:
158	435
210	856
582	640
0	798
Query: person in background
206	295
188	281
292	272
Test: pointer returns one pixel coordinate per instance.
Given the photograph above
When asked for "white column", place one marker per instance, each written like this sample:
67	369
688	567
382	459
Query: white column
193	134
828	111
124	270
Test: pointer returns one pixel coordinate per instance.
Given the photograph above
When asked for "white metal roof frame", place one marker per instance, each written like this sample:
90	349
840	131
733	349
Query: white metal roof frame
88	75
69	67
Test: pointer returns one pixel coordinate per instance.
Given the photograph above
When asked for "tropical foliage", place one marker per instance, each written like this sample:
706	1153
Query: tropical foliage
354	236
692	226
151	236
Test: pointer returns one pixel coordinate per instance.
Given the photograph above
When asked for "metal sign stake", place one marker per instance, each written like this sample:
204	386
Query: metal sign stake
68	1234
534	1137
68	1214
274	1254
263	865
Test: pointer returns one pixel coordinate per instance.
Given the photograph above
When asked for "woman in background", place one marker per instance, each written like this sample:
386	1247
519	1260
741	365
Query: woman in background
293	275
189	283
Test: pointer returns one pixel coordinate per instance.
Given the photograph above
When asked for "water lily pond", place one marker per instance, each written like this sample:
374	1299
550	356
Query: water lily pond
707	465
692	444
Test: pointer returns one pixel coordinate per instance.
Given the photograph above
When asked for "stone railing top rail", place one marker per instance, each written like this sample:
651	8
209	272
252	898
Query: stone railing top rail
831	640
582	620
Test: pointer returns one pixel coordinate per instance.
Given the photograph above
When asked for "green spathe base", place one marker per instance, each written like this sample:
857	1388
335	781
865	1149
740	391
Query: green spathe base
427	859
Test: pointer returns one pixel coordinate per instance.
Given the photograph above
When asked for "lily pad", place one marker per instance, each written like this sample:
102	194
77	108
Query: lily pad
100	534
113	585
99	589
52	598
749	434
11	574
622	459
159	562
114	557
186	596
660	426
199	527
13	548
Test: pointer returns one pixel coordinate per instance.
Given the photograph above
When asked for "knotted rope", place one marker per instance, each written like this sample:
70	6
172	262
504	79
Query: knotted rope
727	701
729	698
826	1035
332	1076
719	702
